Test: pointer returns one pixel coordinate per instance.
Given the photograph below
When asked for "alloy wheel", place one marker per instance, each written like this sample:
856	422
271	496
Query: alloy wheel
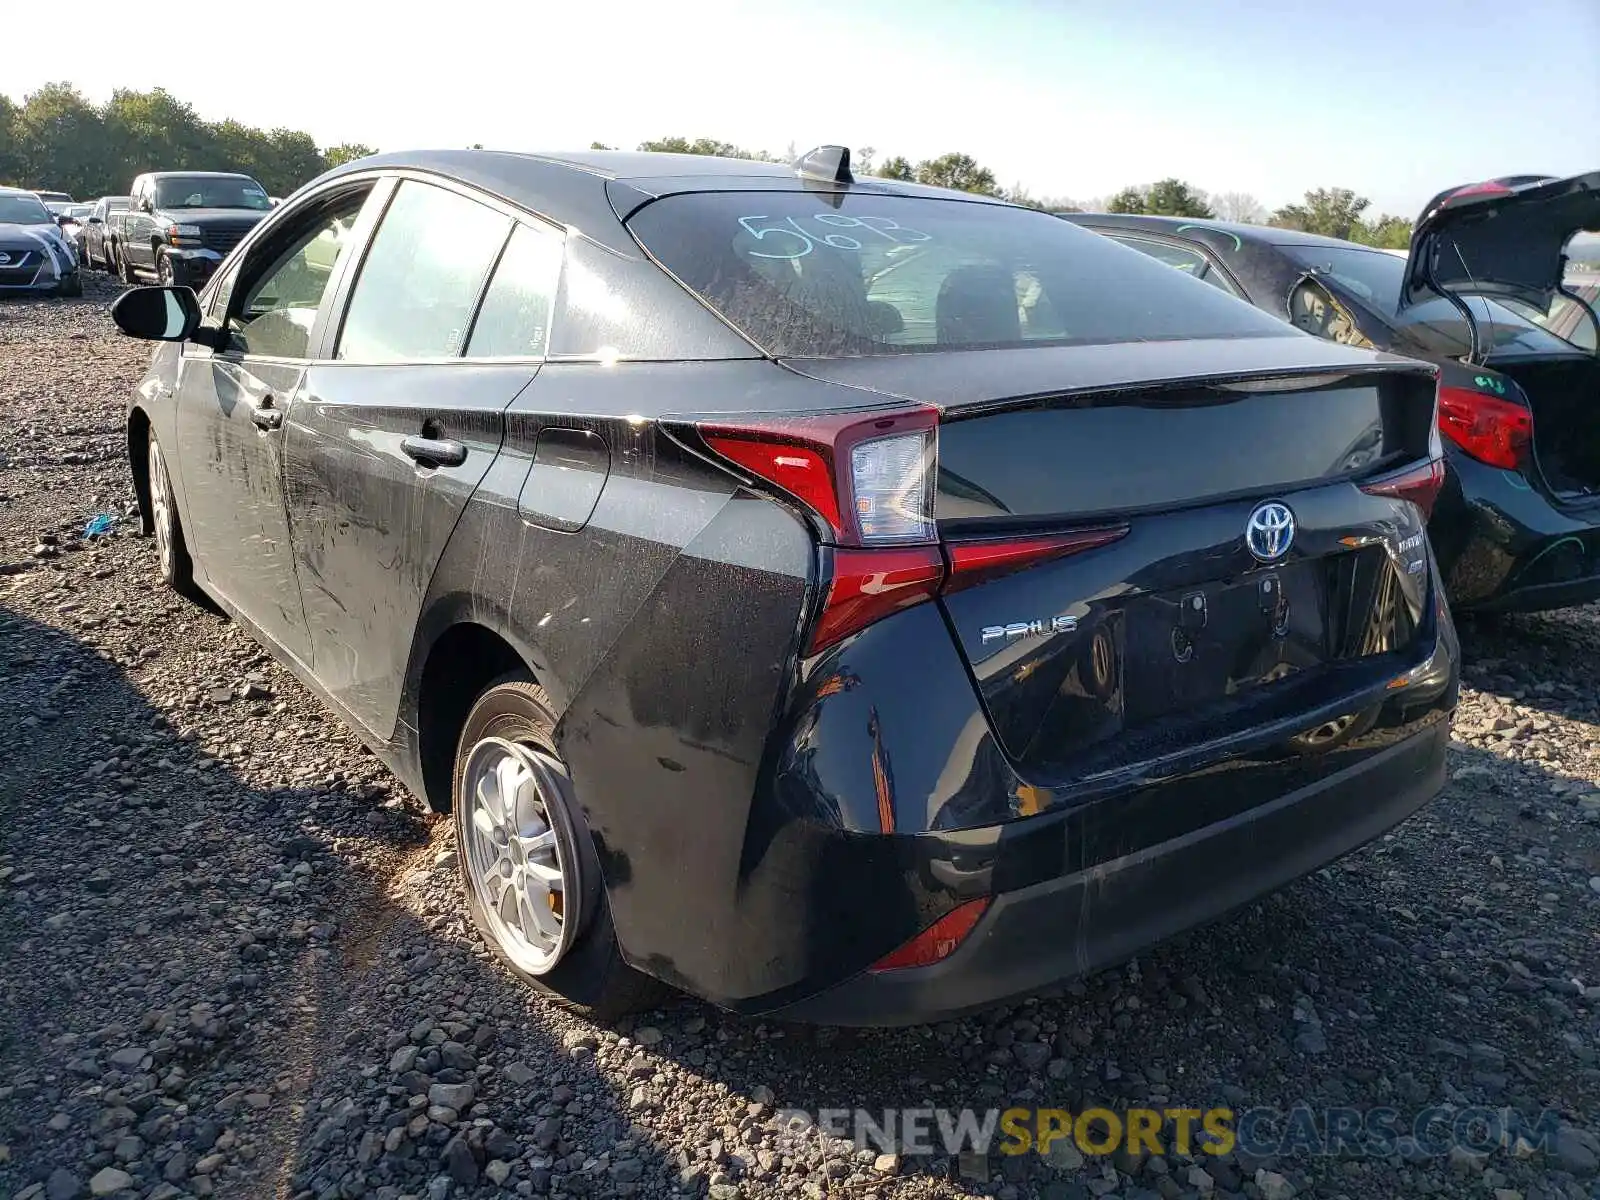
519	852
161	507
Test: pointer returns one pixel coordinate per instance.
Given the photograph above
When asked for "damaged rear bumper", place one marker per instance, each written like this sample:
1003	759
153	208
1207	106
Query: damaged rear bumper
1036	936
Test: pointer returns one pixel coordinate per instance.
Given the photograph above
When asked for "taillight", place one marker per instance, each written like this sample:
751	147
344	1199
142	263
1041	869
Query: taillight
868	585
1488	188
1490	429
980	560
871	481
938	941
1419	484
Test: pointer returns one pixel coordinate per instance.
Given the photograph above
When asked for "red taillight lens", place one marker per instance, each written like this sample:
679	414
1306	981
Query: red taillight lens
1490	429
799	470
1419	484
938	941
870	478
868	585
974	562
1488	188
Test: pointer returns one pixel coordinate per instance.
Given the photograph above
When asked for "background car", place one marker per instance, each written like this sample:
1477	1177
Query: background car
178	225
70	220
96	246
802	590
34	256
1517	526
54	201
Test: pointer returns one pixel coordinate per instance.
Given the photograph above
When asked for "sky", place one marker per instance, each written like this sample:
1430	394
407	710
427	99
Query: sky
1396	99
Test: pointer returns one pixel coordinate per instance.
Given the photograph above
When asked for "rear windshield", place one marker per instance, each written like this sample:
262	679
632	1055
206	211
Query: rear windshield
201	191
1370	275
1439	326
896	275
1374	277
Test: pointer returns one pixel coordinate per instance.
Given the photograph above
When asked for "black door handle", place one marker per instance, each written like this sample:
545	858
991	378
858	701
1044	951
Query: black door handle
434	452
266	418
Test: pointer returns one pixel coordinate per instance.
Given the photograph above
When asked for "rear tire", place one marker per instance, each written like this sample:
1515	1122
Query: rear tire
519	829
176	567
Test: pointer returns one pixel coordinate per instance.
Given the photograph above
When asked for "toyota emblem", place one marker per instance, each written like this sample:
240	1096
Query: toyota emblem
1270	531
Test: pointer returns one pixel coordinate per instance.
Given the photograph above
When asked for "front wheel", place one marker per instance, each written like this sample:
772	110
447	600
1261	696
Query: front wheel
166	274
528	862
177	568
71	286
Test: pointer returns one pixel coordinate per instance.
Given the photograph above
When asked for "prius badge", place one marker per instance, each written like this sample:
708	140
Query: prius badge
1270	531
1019	629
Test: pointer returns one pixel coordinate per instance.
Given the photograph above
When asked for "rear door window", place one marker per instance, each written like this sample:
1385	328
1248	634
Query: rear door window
421	277
813	274
514	320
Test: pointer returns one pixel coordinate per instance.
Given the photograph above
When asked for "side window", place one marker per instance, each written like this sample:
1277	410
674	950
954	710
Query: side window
1191	262
272	301
515	316
421	277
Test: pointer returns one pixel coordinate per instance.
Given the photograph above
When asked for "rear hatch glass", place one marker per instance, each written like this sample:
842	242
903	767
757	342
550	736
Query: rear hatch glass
820	274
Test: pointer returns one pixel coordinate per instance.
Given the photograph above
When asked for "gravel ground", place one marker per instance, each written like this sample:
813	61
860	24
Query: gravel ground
235	960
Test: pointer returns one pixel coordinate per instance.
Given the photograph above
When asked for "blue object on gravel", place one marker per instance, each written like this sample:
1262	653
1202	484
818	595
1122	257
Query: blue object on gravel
99	525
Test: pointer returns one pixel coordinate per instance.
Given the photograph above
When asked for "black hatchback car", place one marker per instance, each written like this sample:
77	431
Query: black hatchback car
1517	526
832	597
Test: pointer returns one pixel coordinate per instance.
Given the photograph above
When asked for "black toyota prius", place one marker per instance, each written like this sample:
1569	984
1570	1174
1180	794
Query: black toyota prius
833	597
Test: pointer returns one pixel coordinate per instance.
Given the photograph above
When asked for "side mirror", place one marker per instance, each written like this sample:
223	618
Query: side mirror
97	220
63	220
158	314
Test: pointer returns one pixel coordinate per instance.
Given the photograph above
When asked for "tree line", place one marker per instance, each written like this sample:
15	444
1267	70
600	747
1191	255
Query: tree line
57	139
1332	212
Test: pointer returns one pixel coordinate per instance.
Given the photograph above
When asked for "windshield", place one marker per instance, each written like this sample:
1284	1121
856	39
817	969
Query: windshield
23	210
116	203
210	191
78	211
896	275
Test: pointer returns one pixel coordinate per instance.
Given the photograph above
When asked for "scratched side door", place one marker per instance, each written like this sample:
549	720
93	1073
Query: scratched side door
400	422
234	402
